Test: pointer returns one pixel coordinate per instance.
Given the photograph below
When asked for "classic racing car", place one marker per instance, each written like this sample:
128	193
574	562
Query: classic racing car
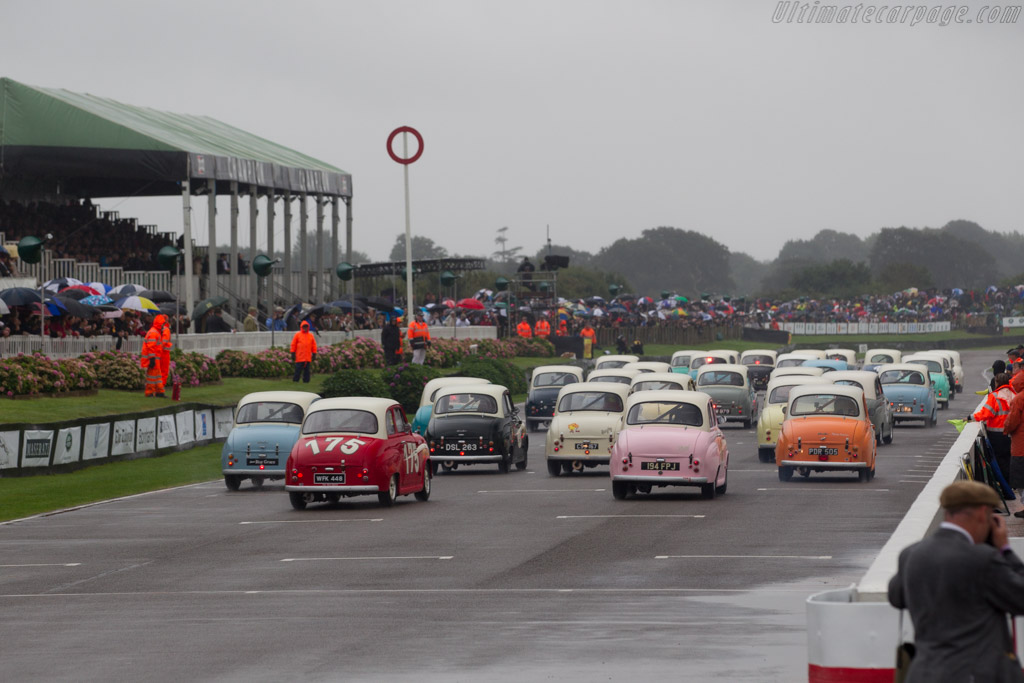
680	360
545	384
769	422
874	397
760	363
729	386
910	392
586	421
266	427
429	394
937	372
648	366
875	357
613	361
661	381
708	358
616	376
669	438
827	428
848	355
474	424
355	447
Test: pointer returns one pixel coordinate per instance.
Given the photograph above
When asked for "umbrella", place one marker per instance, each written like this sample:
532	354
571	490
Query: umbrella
19	296
345	304
96	300
472	304
172	308
207	305
137	303
157	295
126	290
4	310
59	305
79	291
61	283
379	303
101	287
322	309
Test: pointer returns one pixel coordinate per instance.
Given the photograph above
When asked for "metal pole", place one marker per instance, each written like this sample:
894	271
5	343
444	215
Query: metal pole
335	219
303	247
288	241
253	298
186	200
408	233
351	285
233	266
269	282
211	256
318	283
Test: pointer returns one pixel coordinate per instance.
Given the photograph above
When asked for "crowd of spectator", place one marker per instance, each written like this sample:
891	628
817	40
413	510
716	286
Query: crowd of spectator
24	321
83	233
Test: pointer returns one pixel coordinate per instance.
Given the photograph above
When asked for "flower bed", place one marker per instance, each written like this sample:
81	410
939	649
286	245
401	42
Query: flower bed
36	374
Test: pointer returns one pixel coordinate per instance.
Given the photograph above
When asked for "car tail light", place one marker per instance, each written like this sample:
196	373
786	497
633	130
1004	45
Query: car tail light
586	451
261	467
625	460
696	462
823	458
768	434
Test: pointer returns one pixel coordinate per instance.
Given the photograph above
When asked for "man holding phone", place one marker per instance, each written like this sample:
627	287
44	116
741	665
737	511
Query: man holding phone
958	585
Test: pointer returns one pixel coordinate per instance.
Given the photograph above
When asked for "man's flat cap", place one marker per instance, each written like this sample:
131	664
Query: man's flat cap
967	493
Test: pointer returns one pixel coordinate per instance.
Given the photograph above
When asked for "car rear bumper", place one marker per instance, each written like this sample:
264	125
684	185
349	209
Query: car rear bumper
333	488
569	456
822	465
660	480
444	457
277	472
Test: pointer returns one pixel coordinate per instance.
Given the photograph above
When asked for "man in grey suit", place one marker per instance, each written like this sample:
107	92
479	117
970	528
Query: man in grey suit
958	585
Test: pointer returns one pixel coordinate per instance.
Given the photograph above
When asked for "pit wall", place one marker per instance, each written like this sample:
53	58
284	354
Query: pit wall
852	633
28	449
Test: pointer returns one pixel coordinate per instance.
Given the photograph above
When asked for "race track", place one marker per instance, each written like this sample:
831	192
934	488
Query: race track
516	577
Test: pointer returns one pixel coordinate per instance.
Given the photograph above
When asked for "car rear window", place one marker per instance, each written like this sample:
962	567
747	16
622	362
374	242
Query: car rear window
658	385
720	378
849	383
554	379
824	404
344	420
780	394
613	364
270	411
465	403
616	379
791	362
590	400
932	365
681	362
901	377
757	360
705	360
881	358
665	412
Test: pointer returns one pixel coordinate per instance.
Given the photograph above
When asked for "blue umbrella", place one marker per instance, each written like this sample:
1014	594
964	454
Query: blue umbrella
97	300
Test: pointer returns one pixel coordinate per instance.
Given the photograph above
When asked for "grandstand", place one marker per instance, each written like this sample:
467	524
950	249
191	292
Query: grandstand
61	151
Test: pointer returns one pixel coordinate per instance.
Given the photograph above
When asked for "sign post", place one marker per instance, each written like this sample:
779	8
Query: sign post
405	160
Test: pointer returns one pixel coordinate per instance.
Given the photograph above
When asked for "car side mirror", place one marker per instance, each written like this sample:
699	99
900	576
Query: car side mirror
784	410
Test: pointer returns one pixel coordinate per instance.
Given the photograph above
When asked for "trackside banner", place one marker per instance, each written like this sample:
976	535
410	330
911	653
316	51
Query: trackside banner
870	328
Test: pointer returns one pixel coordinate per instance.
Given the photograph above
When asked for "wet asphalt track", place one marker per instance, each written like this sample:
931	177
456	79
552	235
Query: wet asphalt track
516	577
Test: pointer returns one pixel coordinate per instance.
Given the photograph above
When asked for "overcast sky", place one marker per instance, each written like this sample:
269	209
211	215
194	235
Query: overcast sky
599	119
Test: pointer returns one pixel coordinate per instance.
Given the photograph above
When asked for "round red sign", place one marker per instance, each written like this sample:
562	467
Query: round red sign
415	134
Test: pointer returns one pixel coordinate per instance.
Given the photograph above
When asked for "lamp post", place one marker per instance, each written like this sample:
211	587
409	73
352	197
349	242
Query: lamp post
263	266
345	271
169	258
30	250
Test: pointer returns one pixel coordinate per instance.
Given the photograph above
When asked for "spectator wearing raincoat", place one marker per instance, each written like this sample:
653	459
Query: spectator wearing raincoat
165	346
152	350
303	352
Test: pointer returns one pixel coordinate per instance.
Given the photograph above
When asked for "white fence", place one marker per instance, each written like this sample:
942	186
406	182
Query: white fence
211	344
868	328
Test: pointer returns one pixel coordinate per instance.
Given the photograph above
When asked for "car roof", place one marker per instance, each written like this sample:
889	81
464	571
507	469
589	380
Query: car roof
903	366
923	355
495	390
897	352
688	352
572	369
805	370
432	385
760	352
796	380
837	389
719	367
824	363
583	387
613	372
680	377
697	398
302	398
370	404
647	364
859	375
795	354
629	358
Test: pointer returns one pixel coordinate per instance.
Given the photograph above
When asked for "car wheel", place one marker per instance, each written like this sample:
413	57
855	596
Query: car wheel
424	494
944	405
232	481
719	490
805	472
785	473
746	423
257	482
708	491
388	498
864	476
298	500
433	468
933	420
872	477
531	426
765	454
333	498
521	465
888	439
554	468
620	490
503	463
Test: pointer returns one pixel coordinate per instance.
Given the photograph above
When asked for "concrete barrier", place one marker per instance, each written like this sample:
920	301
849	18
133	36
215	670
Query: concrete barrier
852	633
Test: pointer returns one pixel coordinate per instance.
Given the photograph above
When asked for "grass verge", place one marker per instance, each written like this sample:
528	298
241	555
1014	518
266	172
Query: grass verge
26	496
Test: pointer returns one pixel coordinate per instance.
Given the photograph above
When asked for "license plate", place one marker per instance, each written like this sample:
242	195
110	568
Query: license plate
329	478
823	451
454	447
256	462
904	409
721	410
671	466
583	445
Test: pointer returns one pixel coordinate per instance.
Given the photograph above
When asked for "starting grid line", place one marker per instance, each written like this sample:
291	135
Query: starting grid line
340	559
625	516
743	557
314	521
545	491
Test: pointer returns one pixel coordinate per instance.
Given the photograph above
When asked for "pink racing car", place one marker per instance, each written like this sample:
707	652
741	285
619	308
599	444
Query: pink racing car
669	438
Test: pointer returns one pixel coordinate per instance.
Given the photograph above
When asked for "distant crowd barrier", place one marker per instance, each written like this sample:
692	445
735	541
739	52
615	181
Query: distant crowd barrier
43	448
867	328
852	633
212	344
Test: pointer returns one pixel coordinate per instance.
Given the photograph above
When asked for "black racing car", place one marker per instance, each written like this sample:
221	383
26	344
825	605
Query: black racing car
476	424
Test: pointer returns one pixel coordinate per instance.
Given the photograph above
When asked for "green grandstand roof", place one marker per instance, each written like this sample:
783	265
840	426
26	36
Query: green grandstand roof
99	147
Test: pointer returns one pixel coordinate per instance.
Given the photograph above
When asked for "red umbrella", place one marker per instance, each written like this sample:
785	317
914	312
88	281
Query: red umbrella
473	304
89	291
